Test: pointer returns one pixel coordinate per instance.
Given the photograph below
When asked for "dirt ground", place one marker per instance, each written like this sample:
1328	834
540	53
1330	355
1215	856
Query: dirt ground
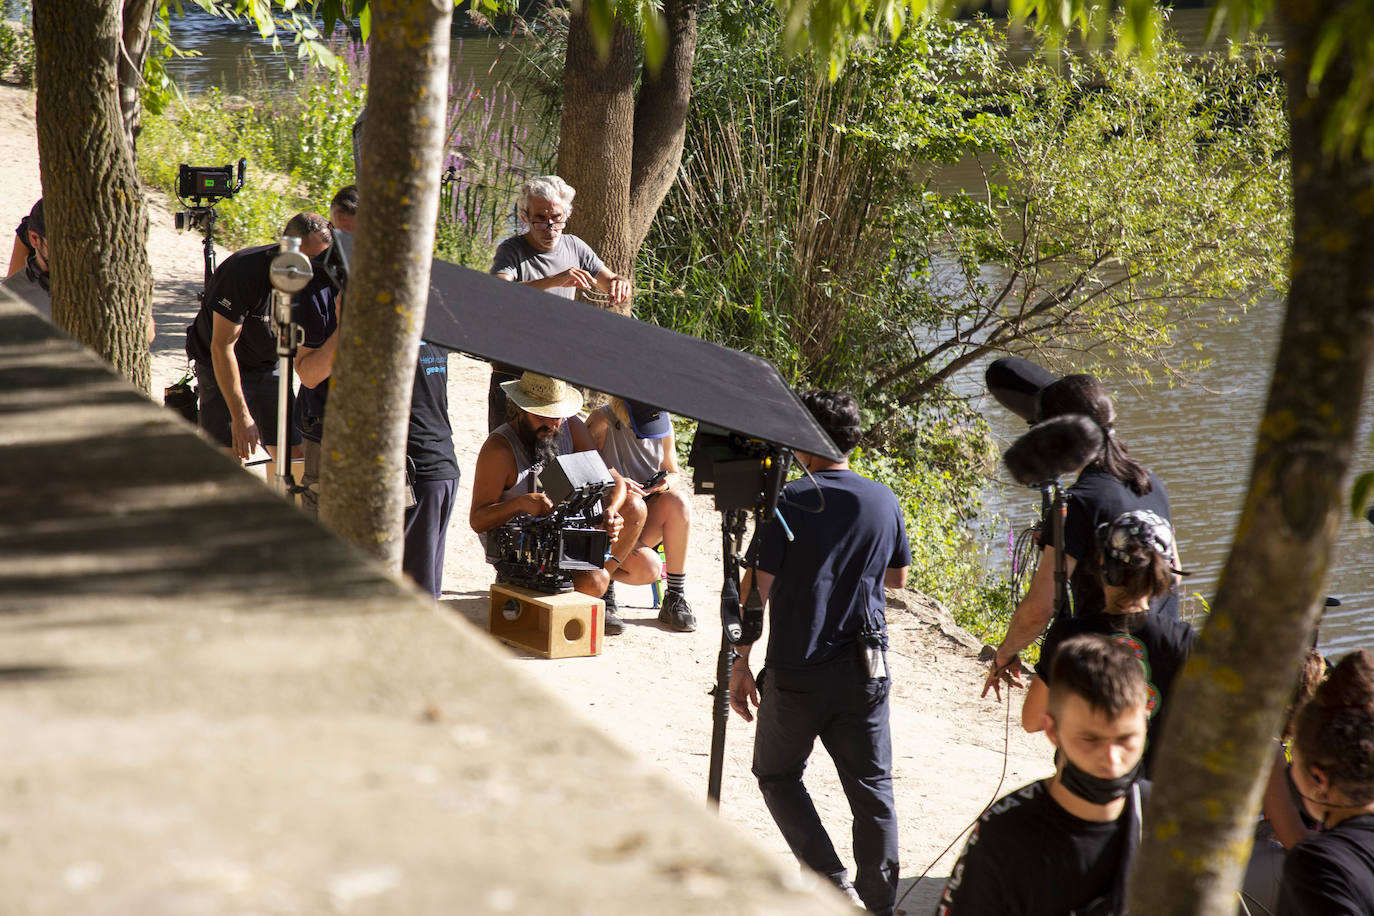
649	689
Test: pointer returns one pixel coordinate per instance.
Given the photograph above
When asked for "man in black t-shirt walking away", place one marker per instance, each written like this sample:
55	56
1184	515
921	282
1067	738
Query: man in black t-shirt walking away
1064	845
826	666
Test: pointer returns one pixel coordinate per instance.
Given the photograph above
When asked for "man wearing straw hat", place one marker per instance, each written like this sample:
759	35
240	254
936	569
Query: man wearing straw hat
505	483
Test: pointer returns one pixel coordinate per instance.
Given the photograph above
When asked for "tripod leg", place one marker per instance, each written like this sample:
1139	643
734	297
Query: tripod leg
720	718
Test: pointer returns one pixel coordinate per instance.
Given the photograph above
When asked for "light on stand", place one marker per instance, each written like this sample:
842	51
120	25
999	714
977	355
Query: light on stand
744	475
289	272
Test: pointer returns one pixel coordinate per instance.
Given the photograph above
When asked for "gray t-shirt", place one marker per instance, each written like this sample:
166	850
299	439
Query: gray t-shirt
518	259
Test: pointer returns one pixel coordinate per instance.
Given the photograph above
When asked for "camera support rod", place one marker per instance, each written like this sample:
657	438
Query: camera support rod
289	272
731	633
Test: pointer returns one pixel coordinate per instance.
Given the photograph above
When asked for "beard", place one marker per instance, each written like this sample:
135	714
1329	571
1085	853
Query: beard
543	449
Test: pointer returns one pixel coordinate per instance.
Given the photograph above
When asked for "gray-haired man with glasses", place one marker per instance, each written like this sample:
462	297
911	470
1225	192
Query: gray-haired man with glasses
546	258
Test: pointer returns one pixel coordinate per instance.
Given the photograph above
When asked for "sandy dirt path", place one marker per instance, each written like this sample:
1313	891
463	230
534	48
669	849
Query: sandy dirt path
649	689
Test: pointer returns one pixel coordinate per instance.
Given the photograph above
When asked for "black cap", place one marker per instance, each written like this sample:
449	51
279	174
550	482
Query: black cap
36	219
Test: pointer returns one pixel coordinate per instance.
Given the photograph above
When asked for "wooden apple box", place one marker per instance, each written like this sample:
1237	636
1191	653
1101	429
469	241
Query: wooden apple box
566	625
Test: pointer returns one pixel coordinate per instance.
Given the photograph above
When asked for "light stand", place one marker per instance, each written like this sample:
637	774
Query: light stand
743	475
289	272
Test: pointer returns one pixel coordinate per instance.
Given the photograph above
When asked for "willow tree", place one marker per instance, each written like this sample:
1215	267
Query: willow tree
624	119
383	311
97	221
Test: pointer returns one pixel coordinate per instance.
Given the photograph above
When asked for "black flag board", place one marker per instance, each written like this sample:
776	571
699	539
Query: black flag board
503	322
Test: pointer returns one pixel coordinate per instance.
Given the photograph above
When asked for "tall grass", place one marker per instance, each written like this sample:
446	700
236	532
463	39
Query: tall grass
300	152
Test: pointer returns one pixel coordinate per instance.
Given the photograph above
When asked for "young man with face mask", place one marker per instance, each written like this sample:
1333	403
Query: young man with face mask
1064	845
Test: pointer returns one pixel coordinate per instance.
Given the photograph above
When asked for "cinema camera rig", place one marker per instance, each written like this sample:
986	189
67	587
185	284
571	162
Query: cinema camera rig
542	553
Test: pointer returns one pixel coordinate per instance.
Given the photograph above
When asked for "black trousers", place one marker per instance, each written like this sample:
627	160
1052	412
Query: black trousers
426	533
838	703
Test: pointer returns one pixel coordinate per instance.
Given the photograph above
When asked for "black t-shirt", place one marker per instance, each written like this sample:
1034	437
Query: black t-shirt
1027	856
1161	643
828	586
429	444
241	291
1331	873
1098	497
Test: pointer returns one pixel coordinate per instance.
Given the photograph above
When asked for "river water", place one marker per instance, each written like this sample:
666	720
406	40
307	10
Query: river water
1198	438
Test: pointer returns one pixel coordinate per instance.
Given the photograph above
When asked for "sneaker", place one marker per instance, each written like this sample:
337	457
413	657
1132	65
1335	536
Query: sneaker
676	613
614	625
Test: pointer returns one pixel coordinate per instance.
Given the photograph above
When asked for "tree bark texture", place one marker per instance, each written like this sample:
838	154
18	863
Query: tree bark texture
660	121
1219	738
383	314
137	34
95	215
596	141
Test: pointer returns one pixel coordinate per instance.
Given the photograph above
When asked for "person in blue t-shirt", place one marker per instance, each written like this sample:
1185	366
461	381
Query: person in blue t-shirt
826	672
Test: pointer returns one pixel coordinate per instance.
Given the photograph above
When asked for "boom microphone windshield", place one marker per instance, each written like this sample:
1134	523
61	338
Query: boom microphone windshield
1016	383
1053	448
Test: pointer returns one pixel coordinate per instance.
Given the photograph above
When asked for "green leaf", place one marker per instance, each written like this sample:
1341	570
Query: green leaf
1360	492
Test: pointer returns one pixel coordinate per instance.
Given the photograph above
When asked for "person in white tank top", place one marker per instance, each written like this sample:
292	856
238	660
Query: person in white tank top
637	441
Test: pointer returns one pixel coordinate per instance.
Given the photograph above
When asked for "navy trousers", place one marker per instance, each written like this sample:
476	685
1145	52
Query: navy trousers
838	703
426	532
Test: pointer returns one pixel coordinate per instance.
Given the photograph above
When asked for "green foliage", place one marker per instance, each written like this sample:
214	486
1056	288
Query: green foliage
299	149
488	153
948	555
1115	205
16	47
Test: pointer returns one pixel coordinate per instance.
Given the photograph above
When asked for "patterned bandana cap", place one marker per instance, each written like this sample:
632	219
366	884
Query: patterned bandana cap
1137	527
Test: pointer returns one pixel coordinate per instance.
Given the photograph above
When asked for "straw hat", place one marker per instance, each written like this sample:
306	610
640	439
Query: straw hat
544	396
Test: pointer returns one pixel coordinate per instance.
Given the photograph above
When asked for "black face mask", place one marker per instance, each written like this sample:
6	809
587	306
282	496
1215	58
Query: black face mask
1094	789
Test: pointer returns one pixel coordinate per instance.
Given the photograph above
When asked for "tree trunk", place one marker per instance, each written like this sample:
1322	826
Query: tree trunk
363	472
137	33
97	222
660	121
1227	708
596	140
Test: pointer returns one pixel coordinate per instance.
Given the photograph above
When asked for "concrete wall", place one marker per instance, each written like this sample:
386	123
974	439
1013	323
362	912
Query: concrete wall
210	705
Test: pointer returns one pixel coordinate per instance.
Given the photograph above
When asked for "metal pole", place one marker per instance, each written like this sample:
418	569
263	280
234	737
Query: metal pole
289	272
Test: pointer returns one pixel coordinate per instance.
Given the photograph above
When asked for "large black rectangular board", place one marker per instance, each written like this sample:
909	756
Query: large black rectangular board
493	319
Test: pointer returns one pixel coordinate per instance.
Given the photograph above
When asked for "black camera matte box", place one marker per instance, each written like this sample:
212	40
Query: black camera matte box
569	474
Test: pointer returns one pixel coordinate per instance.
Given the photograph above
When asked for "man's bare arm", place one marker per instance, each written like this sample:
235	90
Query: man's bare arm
495	471
895	577
244	429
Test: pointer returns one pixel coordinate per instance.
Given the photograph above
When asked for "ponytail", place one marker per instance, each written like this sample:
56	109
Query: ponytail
1085	394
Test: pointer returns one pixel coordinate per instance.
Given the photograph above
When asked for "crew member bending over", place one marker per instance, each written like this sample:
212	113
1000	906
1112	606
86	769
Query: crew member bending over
505	482
637	441
546	258
1136	552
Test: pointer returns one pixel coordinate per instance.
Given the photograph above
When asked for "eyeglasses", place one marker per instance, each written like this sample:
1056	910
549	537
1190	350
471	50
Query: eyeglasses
558	223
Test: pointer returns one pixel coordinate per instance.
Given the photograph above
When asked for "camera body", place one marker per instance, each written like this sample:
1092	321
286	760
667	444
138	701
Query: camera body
194	219
541	553
211	183
205	186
